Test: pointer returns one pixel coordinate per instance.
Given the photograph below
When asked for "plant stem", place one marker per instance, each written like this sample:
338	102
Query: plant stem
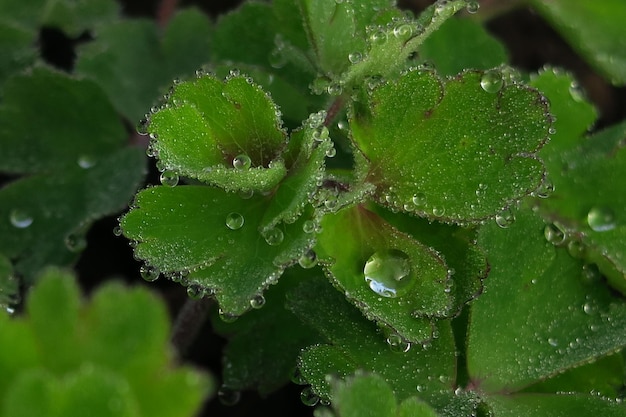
166	11
334	110
189	321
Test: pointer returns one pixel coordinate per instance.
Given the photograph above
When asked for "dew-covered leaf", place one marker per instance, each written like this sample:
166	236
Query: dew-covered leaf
551	315
473	46
356	344
594	29
392	278
556	405
214	238
134	63
111	356
455	151
466	261
44	217
225	133
590	208
49	121
263	345
364	395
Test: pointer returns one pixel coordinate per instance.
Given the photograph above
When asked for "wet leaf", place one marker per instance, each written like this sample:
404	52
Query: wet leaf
594	29
392	278
356	343
214	239
223	133
548	317
556	405
452	151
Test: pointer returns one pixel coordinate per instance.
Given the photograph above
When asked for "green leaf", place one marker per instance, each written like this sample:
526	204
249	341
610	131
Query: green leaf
263	345
110	357
44	218
392	278
134	64
594	29
512	342
556	405
590	209
473	48
355	343
224	133
364	395
17	46
214	238
452	151
49	121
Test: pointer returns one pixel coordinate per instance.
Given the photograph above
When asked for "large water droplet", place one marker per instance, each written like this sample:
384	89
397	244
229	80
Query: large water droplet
378	37
419	199
472	7
388	272
234	221
142	127
403	31
228	396
545	190
355	57
274	236
505	218
308	260
308	397
308	226
601	219
20	219
195	291
75	242
576	249
169	178
86	161
242	162
149	273
492	81
117	231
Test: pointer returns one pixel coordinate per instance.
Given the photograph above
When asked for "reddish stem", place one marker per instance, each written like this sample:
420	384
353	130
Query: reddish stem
334	110
166	11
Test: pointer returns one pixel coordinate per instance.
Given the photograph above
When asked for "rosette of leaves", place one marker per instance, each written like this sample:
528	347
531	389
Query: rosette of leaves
108	357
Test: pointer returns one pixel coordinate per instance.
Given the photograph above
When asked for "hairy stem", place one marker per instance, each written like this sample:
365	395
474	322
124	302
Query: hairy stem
189	321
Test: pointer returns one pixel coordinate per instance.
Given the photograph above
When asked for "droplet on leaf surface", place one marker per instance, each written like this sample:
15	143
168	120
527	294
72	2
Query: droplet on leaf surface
20	219
149	273
169	178
242	162
601	219
308	260
398	344
492	81
554	234
388	273
274	236
234	221
258	301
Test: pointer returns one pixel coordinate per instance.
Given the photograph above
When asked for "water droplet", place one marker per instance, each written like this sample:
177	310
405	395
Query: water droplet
553	342
169	178
234	221
438	211
335	89
576	92
552	130
75	242
388	272
142	127
117	231
297	377
309	397
402	31
274	236
308	226
308	260
546	188
589	308
355	57
398	344
228	396
331	152
321	135
505	218
591	273
242	162
576	249
20	219
472	7
554	234
246	194
227	317
379	37
86	161
492	81
601	219
195	291
258	301
419	199
149	273
277	58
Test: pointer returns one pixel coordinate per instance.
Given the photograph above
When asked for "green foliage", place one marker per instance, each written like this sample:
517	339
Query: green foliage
109	357
382	208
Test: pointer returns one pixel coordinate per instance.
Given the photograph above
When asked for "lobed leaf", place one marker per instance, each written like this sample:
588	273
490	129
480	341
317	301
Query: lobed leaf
451	151
548	317
555	405
209	127
392	278
355	343
215	239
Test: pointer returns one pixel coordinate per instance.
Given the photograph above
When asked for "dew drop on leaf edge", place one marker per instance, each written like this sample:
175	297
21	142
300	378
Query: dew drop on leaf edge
242	162
169	178
257	302
308	397
308	260
228	396
149	273
388	273
398	344
492	81
601	219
